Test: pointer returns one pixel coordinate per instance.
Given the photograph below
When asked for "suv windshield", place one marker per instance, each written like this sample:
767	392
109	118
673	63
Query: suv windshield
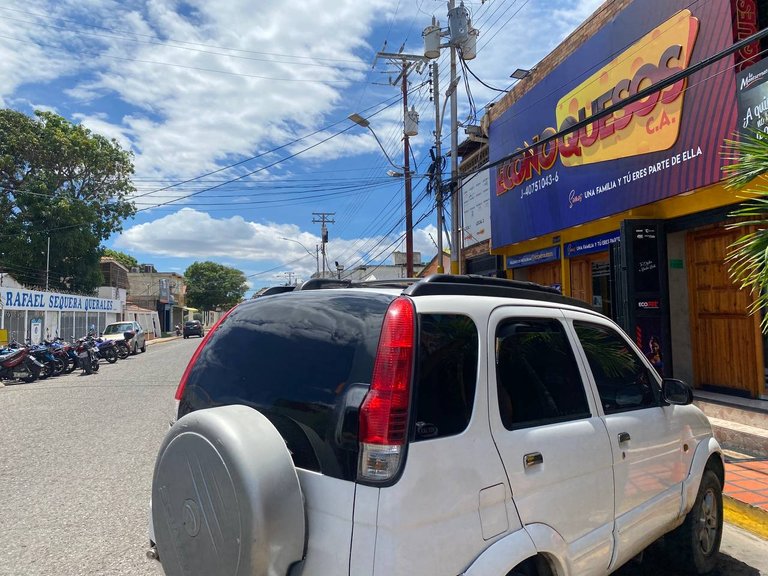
305	360
118	328
191	323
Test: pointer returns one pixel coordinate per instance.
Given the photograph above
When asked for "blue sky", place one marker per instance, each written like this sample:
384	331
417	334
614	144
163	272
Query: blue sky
236	112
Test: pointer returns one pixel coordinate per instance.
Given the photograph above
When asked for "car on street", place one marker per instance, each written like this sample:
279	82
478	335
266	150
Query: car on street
193	328
118	330
450	425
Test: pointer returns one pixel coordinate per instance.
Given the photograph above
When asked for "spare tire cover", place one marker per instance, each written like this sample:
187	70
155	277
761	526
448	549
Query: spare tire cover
226	500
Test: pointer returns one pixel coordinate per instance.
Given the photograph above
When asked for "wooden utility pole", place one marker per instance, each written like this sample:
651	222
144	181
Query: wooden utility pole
407	63
322	218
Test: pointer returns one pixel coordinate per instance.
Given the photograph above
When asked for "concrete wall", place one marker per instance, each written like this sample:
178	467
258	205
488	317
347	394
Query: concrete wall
679	315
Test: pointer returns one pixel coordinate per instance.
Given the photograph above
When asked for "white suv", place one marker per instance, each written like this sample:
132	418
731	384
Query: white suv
454	425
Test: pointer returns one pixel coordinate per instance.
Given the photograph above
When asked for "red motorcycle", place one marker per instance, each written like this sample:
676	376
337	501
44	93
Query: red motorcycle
19	364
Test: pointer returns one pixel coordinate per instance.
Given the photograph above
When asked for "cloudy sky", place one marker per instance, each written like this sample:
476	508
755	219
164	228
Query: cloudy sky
236	112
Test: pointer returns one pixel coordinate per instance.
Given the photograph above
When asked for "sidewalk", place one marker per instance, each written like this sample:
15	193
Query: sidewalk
745	494
741	427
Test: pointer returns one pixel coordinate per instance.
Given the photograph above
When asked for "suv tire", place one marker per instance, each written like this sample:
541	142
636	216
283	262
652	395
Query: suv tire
224	504
696	542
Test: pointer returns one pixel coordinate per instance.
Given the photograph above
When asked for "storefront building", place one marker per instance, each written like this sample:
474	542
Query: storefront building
34	316
630	213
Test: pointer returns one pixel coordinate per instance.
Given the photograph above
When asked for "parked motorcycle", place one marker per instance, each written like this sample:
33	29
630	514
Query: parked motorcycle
66	352
62	359
106	349
123	347
52	366
19	364
88	358
178	330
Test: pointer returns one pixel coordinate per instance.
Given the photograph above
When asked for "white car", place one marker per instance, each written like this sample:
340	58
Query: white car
456	425
116	331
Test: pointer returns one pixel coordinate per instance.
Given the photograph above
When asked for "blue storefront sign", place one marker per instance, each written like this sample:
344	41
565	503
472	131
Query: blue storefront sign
535	257
21	299
592	244
661	146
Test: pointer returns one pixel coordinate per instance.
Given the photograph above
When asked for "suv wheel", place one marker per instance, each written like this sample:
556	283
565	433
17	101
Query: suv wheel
225	496
144	347
696	543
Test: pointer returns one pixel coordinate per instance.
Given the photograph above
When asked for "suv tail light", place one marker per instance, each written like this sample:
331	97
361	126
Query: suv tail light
384	412
195	356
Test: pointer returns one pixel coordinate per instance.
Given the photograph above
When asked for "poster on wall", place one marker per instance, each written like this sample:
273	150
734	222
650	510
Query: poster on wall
666	144
36	330
752	94
648	337
476	207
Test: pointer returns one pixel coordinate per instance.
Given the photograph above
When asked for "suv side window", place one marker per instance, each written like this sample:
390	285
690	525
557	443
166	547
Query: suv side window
446	374
537	376
623	381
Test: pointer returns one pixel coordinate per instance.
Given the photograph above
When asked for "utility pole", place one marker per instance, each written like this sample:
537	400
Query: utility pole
407	63
322	218
438	167
455	205
47	263
461	35
407	176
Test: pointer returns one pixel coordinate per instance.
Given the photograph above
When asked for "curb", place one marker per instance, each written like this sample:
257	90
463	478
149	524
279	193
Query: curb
746	516
160	340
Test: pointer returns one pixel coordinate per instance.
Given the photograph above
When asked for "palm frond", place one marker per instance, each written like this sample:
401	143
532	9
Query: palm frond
747	257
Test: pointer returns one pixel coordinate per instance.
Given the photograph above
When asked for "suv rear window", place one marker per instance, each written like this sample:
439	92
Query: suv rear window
303	359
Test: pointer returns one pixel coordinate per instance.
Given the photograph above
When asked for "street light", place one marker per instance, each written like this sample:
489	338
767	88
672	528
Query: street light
411	119
315	256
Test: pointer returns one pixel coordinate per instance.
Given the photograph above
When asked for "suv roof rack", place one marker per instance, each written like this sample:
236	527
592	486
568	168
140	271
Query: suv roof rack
390	283
277	290
455	284
474	285
319	283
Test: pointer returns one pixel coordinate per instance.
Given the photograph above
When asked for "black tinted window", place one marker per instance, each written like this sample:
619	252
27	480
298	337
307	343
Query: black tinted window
304	359
447	374
538	379
623	381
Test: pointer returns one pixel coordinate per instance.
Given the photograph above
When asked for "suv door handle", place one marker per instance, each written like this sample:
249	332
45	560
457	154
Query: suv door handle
533	459
624	437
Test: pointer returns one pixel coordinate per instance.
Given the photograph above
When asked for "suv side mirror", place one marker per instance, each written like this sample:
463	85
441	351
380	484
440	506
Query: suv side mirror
676	391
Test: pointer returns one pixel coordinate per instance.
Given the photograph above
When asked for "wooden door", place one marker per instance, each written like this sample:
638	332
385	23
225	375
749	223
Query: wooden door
581	275
726	340
547	274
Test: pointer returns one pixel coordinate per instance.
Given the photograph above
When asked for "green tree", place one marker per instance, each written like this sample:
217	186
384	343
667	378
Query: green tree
748	256
125	259
60	181
211	285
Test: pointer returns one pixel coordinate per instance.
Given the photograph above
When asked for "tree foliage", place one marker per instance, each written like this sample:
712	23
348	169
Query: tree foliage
748	256
60	181
211	285
125	259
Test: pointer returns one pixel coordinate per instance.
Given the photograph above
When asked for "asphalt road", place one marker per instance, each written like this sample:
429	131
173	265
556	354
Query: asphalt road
76	460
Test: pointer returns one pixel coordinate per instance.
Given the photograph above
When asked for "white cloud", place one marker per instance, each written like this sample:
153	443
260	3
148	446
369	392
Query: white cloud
192	234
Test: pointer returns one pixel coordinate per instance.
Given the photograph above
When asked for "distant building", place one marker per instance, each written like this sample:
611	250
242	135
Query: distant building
385	271
164	292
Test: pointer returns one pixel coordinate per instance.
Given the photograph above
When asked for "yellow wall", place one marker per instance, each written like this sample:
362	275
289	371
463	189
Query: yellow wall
714	196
